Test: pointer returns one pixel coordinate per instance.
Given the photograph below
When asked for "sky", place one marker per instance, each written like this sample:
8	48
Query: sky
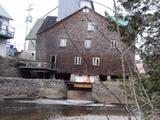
17	10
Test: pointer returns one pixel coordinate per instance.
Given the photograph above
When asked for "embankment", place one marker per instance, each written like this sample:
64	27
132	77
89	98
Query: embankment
31	88
19	88
8	67
109	93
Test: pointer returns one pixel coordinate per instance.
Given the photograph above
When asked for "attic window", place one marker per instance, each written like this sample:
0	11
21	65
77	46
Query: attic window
63	42
91	26
86	10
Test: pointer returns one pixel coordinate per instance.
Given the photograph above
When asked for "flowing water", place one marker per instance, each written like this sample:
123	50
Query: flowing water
59	110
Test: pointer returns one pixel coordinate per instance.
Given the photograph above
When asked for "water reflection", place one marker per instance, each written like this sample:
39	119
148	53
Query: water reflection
15	110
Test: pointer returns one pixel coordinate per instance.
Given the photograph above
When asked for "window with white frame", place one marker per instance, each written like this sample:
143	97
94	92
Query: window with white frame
63	42
77	60
113	44
87	44
86	10
91	26
96	61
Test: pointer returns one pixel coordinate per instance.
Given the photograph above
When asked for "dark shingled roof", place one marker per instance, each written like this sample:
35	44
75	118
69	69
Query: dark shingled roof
48	22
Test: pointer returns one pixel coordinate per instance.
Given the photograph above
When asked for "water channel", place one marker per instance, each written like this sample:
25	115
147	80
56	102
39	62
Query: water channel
43	109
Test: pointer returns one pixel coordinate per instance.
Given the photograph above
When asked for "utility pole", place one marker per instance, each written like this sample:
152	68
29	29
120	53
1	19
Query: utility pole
28	20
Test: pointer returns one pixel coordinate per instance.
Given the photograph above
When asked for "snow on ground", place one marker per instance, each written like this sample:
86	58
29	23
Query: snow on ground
64	102
93	117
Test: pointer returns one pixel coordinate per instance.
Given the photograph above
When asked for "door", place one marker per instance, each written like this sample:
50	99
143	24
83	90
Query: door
53	62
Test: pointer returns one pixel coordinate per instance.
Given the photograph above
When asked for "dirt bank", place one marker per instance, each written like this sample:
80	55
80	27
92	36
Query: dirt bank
8	67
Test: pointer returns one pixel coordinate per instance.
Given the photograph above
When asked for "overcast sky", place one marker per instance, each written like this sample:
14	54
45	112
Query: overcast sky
17	10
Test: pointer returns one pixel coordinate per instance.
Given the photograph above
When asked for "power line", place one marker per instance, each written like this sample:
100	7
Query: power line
103	5
50	12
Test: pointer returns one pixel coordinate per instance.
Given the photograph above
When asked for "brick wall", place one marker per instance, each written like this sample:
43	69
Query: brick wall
76	25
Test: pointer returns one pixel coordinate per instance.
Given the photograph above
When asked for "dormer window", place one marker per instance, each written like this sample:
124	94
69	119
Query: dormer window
63	42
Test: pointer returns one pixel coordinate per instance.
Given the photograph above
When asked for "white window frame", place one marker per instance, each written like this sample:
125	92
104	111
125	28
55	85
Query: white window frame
77	60
113	44
63	42
86	10
91	26
87	43
96	61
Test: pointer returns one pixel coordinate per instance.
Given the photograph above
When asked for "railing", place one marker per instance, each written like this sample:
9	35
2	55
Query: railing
7	31
38	64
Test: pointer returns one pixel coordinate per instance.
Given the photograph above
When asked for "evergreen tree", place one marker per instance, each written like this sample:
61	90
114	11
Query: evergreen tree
145	20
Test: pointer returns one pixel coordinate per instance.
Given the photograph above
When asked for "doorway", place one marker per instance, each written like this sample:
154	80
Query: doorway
53	61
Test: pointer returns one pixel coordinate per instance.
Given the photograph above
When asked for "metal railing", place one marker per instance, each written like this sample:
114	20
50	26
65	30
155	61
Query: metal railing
7	31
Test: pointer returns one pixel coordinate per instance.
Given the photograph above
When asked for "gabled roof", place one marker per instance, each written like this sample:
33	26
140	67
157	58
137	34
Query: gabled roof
4	13
47	25
48	22
50	26
33	33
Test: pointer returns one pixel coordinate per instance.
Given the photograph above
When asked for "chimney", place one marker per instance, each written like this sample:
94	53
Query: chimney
68	7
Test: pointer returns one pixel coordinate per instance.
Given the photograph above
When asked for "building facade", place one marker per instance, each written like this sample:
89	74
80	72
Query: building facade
6	31
81	45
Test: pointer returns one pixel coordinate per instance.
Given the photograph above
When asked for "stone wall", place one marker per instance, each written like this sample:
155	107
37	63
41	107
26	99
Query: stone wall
31	88
108	92
8	67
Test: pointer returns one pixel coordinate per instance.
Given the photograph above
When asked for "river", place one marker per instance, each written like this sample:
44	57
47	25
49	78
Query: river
44	109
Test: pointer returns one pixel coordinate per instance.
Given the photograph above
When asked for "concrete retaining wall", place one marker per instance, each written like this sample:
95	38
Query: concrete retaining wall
11	88
107	94
32	88
79	95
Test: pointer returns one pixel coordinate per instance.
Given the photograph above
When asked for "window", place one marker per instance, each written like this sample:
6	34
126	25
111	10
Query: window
96	61
87	44
91	26
77	60
113	44
86	10
63	42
